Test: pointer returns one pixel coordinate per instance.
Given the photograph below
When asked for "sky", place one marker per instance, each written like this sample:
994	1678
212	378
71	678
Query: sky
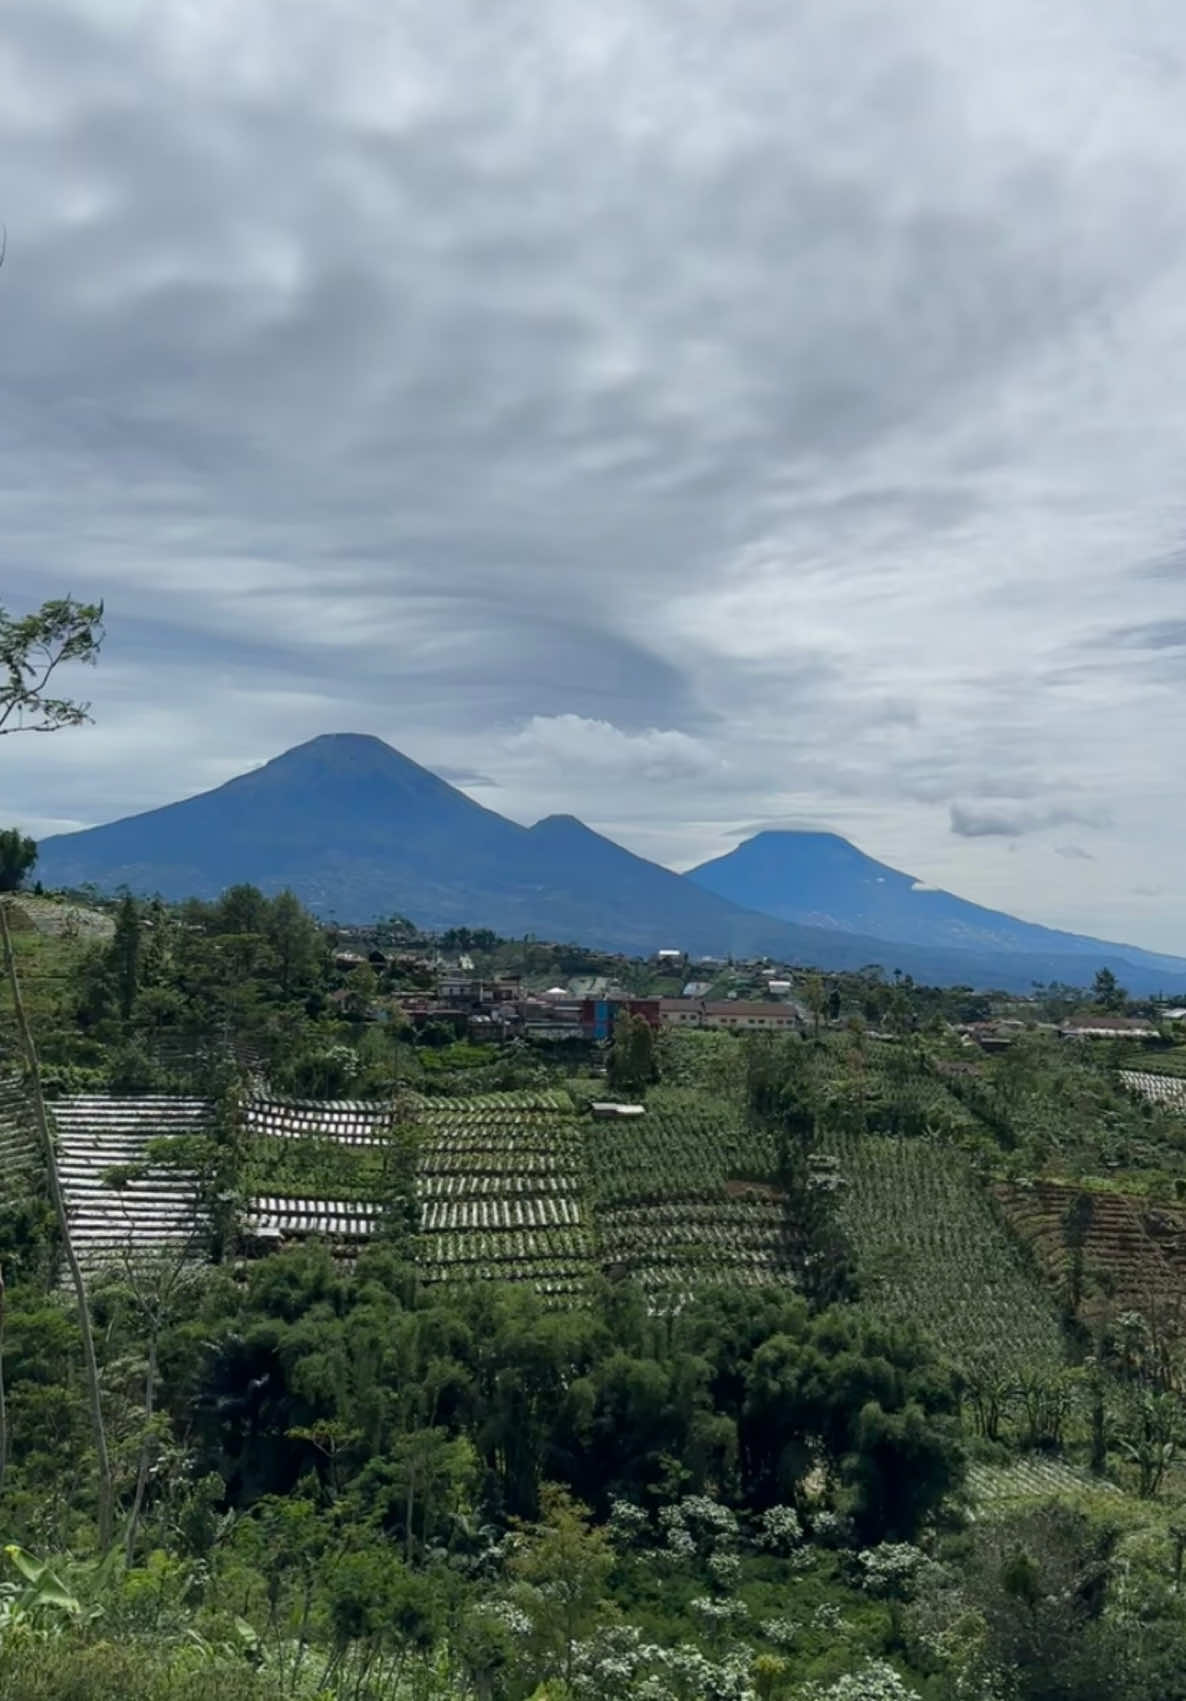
694	418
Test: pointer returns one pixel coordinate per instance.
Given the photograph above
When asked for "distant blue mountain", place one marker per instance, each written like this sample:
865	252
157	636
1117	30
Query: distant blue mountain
359	831
821	880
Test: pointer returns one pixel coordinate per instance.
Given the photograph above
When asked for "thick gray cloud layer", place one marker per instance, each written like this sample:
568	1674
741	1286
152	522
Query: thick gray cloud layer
692	418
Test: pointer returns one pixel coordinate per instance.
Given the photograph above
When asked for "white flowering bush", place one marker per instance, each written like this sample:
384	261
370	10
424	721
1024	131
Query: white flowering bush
779	1529
827	1616
512	1617
714	1610
618	1665
628	1524
874	1681
724	1569
709	1524
891	1568
781	1631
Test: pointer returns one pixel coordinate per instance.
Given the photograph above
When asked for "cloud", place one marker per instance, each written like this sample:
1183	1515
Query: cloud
682	424
1073	853
979	823
1156	635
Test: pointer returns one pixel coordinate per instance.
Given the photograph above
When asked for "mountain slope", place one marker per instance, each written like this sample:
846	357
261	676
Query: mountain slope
821	880
358	831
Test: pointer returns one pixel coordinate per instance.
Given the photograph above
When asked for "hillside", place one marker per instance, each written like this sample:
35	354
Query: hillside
358	830
821	880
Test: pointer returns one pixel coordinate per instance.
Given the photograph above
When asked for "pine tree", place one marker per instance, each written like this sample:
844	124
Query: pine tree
125	954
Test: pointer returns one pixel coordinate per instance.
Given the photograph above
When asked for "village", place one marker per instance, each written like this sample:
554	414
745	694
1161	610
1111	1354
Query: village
431	987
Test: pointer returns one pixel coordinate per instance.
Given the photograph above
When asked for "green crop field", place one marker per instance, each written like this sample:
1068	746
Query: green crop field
682	1194
931	1250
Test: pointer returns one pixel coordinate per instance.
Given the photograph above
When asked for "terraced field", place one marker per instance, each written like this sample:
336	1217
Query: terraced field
18	1145
119	1201
682	1196
1169	1091
991	1487
1134	1251
498	1182
500	1185
931	1250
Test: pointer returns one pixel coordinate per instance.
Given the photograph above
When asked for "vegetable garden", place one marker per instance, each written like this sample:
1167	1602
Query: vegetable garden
683	1195
931	1250
1133	1249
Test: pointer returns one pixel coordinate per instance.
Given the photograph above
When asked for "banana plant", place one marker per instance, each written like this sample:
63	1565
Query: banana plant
39	1602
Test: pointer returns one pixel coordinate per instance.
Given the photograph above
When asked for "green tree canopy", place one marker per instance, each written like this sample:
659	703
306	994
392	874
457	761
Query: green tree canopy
32	648
17	856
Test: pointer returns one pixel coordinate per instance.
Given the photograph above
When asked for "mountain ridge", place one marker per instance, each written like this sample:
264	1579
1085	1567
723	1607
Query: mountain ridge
359	830
815	879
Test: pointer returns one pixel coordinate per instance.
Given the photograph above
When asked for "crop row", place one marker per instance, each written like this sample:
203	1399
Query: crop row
486	1245
726	1236
454	1184
722	1213
1167	1090
930	1249
533	1103
1038	1477
540	1150
499	1213
1133	1249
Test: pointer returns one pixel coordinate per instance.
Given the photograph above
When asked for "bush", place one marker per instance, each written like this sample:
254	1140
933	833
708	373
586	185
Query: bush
103	1671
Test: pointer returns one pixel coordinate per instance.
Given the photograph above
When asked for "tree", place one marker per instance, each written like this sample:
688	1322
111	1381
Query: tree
295	938
125	954
564	1563
32	648
631	1064
17	856
1106	994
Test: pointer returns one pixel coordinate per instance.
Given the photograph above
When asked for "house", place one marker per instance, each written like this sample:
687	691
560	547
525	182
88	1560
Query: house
348	960
1108	1028
697	989
669	959
731	1013
598	1015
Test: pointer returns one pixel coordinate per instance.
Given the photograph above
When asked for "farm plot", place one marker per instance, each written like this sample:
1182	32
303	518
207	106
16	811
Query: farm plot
1169	1091
500	1188
683	1196
120	1202
498	1182
1134	1250
18	1147
930	1250
1039	1477
269	1220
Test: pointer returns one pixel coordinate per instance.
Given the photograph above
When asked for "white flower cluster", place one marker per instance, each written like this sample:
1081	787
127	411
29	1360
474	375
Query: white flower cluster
718	1611
779	1529
875	1681
628	1523
617	1665
725	1569
513	1617
890	1568
781	1631
827	1616
698	1524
